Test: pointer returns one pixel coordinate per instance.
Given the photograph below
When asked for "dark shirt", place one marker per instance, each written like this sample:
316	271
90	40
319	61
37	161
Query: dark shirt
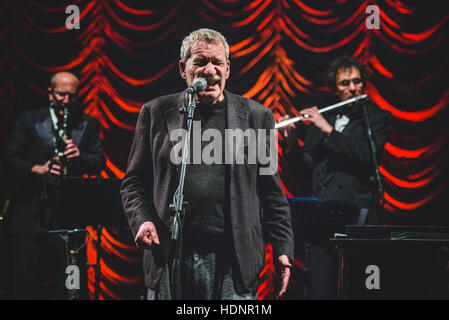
205	184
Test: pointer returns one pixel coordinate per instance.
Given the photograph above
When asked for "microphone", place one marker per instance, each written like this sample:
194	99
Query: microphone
199	84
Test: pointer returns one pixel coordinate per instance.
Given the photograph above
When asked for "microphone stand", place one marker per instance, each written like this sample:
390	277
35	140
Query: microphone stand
179	207
70	255
380	189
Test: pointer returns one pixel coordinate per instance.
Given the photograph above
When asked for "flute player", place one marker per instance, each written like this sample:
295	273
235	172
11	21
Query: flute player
337	153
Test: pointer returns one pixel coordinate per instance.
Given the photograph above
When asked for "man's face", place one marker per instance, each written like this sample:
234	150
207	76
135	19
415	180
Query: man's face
349	83
207	60
64	93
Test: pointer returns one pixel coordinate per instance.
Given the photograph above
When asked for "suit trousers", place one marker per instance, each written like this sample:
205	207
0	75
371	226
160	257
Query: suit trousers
206	274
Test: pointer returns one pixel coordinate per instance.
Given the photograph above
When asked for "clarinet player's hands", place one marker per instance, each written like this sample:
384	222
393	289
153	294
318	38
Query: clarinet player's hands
41	169
54	167
71	150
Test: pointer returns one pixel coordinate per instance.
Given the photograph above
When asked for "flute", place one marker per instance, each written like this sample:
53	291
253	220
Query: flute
331	107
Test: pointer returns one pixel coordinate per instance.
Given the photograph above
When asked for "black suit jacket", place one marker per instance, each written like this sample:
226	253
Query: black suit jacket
151	180
31	143
341	164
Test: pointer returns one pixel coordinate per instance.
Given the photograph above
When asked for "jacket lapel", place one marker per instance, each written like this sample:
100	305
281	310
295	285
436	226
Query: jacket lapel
237	117
236	114
174	119
78	132
44	130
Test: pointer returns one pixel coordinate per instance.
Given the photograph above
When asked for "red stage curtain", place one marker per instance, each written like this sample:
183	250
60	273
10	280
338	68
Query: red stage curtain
126	53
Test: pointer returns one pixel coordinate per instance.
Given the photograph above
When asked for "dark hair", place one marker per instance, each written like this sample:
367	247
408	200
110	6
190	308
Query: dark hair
344	62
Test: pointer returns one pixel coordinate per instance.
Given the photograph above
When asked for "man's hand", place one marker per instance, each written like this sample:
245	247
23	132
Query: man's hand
54	168
317	120
147	236
283	272
71	150
288	132
41	169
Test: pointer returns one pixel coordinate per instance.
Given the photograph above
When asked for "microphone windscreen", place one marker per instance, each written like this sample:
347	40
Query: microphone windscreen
199	84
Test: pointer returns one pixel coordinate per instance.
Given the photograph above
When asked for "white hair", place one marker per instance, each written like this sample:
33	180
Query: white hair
204	34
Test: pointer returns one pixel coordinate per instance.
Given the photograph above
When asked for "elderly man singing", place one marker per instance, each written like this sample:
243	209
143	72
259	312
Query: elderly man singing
232	205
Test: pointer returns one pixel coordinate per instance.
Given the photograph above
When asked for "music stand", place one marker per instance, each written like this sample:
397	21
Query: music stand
90	202
315	222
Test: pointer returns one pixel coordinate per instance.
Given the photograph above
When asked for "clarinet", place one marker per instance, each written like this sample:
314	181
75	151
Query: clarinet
62	142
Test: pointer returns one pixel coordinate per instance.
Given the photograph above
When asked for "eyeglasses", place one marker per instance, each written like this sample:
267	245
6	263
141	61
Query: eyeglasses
346	83
72	96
